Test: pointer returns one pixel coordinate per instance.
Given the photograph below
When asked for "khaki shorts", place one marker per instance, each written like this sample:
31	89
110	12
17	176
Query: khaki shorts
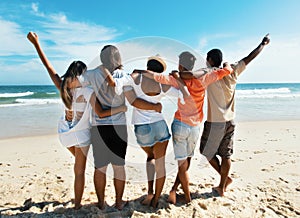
217	139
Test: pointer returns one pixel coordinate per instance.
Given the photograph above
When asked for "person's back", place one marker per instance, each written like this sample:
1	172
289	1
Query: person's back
150	91
192	111
218	133
221	94
106	95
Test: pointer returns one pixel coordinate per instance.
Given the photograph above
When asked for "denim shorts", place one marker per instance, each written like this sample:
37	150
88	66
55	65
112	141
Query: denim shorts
149	134
185	138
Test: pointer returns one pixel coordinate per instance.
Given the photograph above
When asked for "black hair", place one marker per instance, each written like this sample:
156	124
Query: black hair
187	60
216	56
155	66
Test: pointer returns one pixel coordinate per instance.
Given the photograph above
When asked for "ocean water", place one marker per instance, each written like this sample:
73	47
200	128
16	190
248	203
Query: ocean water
35	110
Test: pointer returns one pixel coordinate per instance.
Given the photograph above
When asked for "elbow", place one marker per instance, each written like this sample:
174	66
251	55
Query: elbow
113	84
100	115
133	103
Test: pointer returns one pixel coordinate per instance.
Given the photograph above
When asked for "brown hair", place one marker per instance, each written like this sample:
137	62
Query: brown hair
75	69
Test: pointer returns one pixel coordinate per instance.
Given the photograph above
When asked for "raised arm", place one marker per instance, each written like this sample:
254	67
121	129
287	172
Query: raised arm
140	103
257	50
33	38
97	107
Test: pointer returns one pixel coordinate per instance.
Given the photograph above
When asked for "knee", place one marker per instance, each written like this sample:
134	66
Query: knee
160	168
118	169
150	161
79	170
150	158
182	165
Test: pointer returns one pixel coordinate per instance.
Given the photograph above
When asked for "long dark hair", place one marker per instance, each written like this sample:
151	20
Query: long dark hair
75	69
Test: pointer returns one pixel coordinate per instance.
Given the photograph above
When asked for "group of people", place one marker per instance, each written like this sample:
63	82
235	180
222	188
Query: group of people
95	115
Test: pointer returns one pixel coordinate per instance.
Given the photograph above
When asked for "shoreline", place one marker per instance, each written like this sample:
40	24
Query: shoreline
265	171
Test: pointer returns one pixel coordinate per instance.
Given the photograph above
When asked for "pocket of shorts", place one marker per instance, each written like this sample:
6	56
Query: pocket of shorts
142	130
179	131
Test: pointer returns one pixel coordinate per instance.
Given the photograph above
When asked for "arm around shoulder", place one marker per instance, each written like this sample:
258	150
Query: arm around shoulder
140	103
97	107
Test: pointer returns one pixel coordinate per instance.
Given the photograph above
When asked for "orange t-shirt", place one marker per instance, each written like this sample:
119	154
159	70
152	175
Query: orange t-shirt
191	112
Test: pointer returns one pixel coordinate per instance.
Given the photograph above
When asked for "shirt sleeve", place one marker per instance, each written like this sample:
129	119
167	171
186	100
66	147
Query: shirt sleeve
175	93
165	79
213	76
238	67
123	83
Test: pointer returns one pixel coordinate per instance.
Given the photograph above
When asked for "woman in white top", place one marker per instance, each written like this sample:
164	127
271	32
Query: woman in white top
74	131
150	128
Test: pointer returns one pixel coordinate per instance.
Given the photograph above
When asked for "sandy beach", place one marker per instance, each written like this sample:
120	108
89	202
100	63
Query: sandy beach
36	178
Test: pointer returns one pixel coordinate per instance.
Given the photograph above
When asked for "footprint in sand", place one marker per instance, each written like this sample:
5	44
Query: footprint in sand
234	175
237	160
202	205
259	152
208	185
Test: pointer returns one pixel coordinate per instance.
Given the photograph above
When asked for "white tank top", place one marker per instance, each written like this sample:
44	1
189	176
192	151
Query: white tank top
140	116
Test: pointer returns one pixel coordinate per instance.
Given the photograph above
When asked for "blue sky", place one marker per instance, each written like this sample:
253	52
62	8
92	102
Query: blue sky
70	30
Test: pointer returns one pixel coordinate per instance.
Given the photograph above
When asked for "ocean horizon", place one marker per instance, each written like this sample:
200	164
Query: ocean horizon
28	110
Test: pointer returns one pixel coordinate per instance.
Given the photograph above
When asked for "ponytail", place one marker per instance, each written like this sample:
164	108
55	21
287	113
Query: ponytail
75	69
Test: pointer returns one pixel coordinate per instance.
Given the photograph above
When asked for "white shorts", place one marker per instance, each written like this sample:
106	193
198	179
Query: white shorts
69	137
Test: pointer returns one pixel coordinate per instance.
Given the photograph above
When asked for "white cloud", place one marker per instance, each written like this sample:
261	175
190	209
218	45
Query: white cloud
205	41
35	10
34	7
63	40
13	41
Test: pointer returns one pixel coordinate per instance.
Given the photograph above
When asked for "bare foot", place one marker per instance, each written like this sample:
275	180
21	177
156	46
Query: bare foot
102	205
219	190
147	200
172	197
228	182
121	205
77	206
154	203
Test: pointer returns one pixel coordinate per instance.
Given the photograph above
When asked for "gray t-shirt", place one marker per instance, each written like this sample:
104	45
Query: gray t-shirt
105	94
220	96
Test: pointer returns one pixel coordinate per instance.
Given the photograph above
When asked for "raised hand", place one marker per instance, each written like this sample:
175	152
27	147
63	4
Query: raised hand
265	40
33	37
